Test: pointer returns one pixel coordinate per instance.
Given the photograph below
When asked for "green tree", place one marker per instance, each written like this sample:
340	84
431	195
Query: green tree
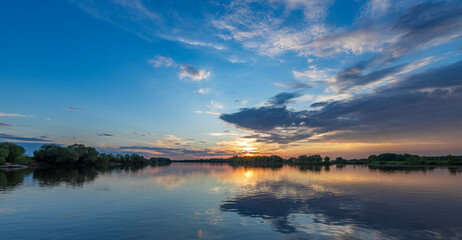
86	155
3	155
15	152
54	154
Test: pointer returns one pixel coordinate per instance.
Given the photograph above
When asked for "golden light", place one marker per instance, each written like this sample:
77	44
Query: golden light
248	149
248	173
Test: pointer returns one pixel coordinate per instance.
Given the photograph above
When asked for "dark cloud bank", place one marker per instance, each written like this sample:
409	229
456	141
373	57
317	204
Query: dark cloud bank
425	101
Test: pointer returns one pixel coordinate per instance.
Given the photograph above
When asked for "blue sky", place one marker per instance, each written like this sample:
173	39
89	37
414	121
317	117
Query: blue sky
193	79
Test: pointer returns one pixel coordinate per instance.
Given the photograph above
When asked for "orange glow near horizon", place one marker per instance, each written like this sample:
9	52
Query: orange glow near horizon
246	148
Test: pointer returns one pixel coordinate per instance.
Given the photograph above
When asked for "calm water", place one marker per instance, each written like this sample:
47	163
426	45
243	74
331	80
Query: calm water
202	201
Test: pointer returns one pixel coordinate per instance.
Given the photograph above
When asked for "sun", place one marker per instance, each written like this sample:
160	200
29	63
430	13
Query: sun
247	149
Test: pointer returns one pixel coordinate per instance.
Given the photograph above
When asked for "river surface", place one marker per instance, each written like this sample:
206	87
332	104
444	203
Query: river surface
218	201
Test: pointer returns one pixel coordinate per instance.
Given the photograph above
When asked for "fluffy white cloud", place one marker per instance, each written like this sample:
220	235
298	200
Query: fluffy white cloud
188	71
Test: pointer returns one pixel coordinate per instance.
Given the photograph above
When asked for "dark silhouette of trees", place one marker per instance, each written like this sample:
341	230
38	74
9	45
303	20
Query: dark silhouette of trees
80	155
11	152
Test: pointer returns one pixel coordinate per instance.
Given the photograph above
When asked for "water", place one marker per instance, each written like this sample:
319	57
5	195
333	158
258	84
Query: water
203	201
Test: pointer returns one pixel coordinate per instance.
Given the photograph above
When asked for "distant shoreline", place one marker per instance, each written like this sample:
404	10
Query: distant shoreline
78	155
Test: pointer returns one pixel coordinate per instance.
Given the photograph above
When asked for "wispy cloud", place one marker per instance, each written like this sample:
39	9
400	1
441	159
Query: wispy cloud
225	133
314	74
12	115
264	32
105	135
203	90
9	137
293	84
207	112
212	112
235	59
161	61
215	104
177	151
141	134
2	124
202	44
171	141
149	23
76	109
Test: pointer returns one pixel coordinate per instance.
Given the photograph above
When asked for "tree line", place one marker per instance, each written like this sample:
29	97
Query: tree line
81	155
75	155
381	159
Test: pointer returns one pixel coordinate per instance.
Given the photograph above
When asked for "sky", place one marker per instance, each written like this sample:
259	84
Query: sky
203	79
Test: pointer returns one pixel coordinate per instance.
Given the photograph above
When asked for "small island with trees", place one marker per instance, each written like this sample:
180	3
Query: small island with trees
79	155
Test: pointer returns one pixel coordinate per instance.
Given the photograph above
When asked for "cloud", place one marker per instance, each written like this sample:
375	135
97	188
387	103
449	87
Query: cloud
356	42
172	141
151	23
141	134
207	112
176	151
293	85
161	61
354	76
235	59
282	98
12	115
416	28
258	27
76	109
388	29
185	70
421	103
9	137
203	90
215	104
105	135
2	124
212	112
313	74
266	118
422	26
201	44
225	133
312	10
137	17
188	71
